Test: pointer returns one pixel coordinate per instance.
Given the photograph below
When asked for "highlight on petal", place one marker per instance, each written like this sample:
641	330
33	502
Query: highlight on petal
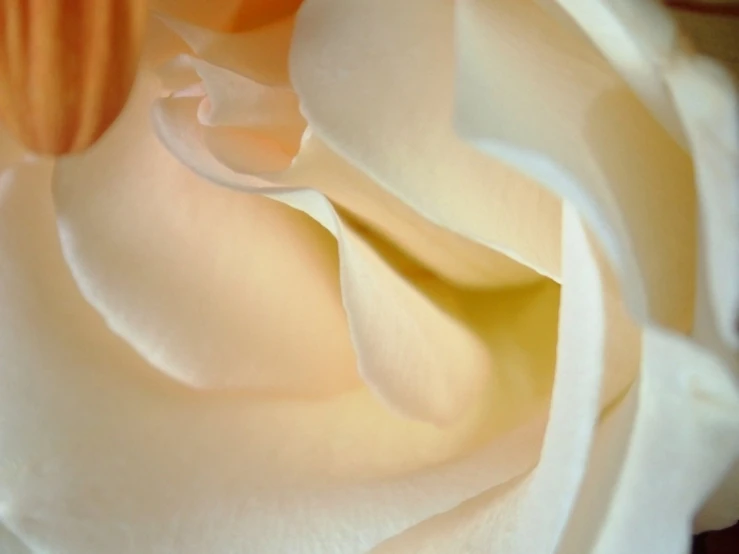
565	117
519	519
218	289
375	81
386	314
687	424
100	453
260	54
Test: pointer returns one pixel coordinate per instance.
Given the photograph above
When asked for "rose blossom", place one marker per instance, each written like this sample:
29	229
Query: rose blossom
381	276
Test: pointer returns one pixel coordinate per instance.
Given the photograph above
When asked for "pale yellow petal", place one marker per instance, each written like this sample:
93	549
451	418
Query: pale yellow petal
376	84
99	452
520	518
536	95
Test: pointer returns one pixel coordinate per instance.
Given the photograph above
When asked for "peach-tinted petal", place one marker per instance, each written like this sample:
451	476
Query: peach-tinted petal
563	115
708	100
442	251
395	374
375	80
10	543
100	453
208	284
687	424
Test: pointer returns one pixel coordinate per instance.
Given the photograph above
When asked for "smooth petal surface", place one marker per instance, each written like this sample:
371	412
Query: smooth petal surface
10	544
708	100
187	272
396	65
101	453
520	519
687	424
446	253
371	286
588	138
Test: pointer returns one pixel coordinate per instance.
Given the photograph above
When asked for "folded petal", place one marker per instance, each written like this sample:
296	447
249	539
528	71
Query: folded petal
519	518
687	424
101	453
256	128
375	81
405	341
564	116
708	100
216	288
11	544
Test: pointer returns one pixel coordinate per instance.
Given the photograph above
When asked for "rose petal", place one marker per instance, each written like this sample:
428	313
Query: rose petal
386	359
216	288
446	253
100	453
11	544
375	80
687	424
521	519
708	100
563	115
234	141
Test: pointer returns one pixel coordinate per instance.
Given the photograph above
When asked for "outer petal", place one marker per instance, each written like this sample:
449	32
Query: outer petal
254	128
100	453
437	331
375	80
11	544
564	116
684	438
519	519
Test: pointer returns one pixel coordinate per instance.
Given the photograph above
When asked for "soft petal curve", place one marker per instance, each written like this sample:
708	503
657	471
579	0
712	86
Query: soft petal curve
131	217
564	116
360	68
101	453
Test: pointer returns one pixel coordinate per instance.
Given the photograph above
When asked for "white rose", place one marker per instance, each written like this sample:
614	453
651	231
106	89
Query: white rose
450	277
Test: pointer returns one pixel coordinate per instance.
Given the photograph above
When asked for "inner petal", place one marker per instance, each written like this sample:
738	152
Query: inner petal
218	289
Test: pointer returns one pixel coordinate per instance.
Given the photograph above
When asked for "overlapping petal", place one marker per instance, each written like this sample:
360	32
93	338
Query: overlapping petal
387	313
101	453
375	81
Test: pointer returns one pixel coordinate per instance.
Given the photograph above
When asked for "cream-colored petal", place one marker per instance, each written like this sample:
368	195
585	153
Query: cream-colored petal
708	101
215	288
636	38
10	543
685	439
405	344
375	80
442	251
563	115
101	453
531	516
